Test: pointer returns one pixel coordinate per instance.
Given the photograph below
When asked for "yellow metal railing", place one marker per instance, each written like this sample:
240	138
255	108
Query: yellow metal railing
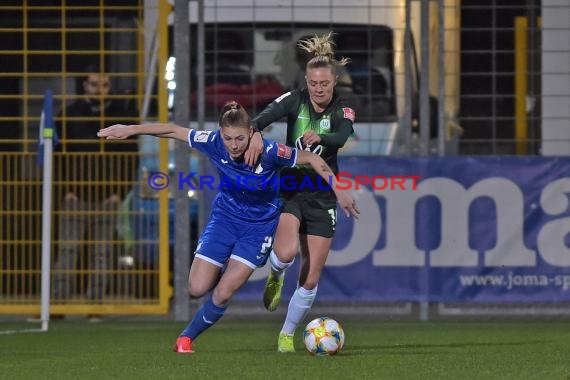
521	83
53	46
521	73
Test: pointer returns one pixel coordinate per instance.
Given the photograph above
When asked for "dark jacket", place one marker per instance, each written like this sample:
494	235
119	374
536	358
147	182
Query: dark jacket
88	166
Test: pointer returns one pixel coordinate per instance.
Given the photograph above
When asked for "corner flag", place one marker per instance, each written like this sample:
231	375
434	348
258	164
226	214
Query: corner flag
47	130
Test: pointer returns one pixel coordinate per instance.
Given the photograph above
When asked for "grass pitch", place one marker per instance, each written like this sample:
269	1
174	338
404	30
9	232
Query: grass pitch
235	349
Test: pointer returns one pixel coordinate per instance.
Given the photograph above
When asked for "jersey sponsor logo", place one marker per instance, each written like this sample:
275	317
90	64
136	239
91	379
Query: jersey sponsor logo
202	136
224	161
325	124
283	151
269	147
349	113
282	97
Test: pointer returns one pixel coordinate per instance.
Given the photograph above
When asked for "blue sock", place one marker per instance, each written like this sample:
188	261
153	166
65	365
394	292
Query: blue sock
205	318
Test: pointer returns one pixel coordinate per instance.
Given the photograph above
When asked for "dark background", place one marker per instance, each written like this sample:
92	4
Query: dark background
487	65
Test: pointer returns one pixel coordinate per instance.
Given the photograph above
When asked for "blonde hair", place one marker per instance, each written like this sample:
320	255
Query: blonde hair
322	49
233	114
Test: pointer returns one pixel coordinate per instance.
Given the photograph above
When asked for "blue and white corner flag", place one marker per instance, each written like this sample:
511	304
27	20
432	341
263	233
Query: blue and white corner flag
47	128
47	139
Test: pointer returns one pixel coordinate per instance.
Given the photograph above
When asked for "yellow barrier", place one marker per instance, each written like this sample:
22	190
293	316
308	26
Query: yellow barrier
104	257
522	57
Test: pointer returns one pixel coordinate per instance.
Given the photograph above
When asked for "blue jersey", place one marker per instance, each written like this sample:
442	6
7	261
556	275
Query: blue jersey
246	193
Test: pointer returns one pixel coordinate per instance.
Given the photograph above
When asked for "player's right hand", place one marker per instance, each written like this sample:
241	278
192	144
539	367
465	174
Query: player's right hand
254	149
115	132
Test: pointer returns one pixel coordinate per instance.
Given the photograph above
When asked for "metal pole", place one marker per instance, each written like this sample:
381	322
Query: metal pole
531	111
201	59
182	224
164	8
424	79
441	122
493	74
151	74
408	78
47	131
424	131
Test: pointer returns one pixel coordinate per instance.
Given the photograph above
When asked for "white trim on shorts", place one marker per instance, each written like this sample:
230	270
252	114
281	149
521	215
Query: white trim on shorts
242	260
205	258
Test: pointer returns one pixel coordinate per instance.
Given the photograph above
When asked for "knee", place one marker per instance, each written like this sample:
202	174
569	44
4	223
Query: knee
286	253
196	291
221	296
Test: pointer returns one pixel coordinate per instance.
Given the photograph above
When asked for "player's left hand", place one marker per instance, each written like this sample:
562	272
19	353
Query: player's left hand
348	204
311	138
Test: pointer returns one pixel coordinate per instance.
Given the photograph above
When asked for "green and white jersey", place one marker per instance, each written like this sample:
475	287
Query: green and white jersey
333	125
306	121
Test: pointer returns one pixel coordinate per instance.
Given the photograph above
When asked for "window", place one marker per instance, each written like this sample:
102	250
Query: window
255	63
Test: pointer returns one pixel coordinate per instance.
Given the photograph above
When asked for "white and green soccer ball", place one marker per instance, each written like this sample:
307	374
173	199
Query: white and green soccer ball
323	336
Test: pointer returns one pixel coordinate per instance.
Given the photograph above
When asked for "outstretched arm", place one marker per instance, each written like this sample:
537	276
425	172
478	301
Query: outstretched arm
344	199
120	132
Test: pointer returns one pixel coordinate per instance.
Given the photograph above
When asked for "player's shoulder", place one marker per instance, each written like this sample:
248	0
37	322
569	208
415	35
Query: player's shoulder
268	147
274	148
205	141
340	101
203	136
344	109
289	96
303	94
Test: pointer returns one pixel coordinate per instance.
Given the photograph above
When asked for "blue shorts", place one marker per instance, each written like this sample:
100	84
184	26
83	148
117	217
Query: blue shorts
224	238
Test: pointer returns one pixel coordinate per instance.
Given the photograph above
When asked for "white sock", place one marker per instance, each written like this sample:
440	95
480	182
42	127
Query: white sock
299	307
277	266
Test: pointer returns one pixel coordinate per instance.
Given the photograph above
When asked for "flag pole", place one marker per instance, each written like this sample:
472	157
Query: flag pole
46	138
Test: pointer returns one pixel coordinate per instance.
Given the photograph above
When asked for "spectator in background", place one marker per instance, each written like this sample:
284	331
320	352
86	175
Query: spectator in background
92	178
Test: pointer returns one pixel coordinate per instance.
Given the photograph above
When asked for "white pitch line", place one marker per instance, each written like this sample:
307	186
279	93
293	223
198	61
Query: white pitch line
8	332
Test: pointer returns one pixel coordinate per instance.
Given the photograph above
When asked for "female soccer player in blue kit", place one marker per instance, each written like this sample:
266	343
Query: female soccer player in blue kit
239	233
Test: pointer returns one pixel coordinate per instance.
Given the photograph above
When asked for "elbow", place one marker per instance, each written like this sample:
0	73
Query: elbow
333	144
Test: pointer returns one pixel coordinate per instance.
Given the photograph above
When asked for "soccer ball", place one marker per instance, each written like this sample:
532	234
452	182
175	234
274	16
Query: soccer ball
323	336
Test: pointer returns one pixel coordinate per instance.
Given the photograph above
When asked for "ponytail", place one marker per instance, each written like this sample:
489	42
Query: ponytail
233	114
322	50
